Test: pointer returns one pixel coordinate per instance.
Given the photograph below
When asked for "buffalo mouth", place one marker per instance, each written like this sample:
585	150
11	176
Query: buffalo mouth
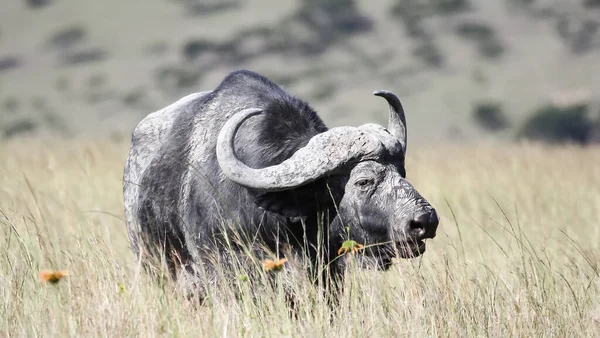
410	248
383	258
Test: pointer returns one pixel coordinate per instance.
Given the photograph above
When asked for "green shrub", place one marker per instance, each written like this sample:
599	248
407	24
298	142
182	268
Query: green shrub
68	37
558	125
483	36
19	127
37	3
451	6
490	116
475	31
429	53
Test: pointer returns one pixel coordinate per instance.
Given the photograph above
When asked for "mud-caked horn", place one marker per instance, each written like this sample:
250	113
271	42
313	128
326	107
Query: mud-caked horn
323	154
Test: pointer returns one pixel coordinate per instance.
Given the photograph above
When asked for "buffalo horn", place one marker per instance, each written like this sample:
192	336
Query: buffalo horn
322	155
397	121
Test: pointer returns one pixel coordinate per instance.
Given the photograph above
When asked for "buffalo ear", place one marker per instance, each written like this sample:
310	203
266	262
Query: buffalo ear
302	201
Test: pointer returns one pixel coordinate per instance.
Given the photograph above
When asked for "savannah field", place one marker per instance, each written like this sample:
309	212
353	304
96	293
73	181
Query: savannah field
518	246
517	254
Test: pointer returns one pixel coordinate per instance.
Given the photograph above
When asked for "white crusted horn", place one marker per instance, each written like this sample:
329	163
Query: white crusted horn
322	155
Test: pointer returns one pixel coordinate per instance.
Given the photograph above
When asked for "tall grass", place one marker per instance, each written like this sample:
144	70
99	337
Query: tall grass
517	254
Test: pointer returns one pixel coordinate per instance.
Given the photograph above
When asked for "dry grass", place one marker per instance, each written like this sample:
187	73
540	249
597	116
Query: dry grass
517	254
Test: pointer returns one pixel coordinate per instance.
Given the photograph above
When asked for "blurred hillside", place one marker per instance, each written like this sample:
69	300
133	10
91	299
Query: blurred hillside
464	69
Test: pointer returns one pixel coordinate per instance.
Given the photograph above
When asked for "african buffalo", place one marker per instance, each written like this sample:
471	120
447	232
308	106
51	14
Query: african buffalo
249	157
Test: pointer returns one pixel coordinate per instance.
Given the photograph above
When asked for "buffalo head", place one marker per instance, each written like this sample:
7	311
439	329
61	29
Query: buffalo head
365	168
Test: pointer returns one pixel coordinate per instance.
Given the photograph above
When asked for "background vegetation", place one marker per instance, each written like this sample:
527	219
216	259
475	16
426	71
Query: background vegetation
96	68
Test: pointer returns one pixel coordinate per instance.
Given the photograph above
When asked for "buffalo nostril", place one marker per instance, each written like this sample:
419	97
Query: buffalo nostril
417	227
424	225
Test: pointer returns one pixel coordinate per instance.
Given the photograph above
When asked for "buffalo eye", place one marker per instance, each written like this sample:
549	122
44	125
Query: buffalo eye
364	182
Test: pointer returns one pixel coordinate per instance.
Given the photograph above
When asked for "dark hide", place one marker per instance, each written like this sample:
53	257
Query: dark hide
287	125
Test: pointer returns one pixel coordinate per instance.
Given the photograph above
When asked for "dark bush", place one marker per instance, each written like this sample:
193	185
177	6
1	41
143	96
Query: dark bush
430	54
206	7
194	48
451	6
412	14
67	37
523	3
578	35
9	62
591	3
415	29
333	16
330	6
483	37
37	3
419	8
490	116
475	31
490	49
18	127
210	8
559	125
84	56
584	38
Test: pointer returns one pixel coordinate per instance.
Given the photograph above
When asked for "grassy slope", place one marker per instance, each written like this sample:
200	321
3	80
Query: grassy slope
504	269
535	67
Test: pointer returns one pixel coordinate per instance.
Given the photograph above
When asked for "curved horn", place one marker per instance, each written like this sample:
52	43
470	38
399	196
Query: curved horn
397	121
323	154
